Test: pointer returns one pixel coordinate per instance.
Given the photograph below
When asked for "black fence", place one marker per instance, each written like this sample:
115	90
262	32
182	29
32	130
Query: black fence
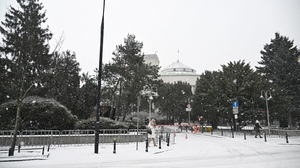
76	137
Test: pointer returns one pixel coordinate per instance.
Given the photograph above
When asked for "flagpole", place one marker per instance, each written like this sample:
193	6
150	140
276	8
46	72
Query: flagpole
99	84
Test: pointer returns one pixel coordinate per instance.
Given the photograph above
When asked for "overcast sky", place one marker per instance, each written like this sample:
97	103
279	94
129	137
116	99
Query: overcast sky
207	33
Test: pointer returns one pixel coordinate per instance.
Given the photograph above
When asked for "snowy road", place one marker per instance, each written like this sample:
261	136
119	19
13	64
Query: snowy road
196	151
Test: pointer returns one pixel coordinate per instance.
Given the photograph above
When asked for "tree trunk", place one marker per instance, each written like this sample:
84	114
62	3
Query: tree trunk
14	140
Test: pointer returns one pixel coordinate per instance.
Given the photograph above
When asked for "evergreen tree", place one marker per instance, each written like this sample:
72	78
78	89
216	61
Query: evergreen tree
216	91
280	65
173	101
87	97
66	80
126	75
207	98
4	80
25	45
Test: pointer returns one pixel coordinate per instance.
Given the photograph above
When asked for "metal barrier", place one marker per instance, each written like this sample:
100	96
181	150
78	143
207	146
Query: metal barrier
274	132
282	133
80	137
71	137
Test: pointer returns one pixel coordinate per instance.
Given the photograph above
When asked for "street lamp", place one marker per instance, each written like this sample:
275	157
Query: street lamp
189	109
150	92
266	98
188	106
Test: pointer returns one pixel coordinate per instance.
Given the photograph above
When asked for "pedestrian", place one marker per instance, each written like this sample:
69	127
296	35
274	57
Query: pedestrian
195	128
257	128
151	137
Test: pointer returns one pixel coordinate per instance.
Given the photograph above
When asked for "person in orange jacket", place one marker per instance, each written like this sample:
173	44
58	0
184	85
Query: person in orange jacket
195	128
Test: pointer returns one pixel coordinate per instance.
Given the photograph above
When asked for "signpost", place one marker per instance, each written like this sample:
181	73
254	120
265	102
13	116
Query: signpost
188	107
235	110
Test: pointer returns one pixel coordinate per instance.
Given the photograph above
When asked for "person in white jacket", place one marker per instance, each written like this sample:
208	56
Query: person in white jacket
151	137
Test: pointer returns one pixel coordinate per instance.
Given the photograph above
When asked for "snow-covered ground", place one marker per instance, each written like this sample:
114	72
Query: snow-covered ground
189	150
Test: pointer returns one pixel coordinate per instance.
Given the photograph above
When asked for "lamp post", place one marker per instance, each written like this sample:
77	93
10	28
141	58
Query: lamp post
150	92
188	107
137	120
265	96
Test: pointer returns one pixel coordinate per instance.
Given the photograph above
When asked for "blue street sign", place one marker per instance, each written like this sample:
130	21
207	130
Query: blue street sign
235	104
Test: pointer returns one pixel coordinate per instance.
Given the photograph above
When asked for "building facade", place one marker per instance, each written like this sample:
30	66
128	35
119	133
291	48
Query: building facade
176	71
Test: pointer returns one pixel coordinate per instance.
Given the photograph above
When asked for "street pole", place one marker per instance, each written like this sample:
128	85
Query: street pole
137	120
268	115
149	108
189	117
96	147
147	91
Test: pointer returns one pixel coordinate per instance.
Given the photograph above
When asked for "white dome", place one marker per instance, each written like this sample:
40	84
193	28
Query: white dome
178	68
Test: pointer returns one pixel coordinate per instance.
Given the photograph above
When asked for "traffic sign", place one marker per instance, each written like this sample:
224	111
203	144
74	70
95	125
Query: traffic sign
235	110
235	104
188	107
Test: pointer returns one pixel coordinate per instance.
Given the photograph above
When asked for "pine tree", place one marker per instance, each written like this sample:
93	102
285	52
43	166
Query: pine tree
66	80
25	45
4	80
87	97
208	98
126	75
280	65
216	91
173	101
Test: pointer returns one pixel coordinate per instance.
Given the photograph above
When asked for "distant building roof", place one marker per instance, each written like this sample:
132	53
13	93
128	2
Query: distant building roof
151	59
178	69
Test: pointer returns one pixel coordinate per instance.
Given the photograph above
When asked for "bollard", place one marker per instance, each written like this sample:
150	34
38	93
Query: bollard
168	139
265	135
286	137
232	133
10	151
159	141
48	148
244	135
221	132
19	148
43	150
147	145
114	145
211	131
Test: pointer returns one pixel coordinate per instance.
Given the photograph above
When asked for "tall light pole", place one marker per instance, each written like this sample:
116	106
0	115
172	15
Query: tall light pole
137	120
265	96
188	107
150	92
97	125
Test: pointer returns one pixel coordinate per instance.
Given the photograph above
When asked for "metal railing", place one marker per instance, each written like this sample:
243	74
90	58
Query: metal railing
281	133
77	137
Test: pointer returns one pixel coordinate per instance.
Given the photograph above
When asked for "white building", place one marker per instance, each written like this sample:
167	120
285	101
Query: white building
151	58
176	71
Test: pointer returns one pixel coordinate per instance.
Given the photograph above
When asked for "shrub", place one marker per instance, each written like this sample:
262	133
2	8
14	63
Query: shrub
37	113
